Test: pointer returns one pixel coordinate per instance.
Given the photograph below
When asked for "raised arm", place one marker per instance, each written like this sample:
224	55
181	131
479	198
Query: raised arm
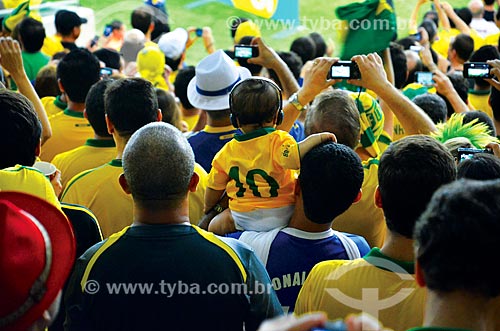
414	15
459	23
373	77
445	87
443	18
11	60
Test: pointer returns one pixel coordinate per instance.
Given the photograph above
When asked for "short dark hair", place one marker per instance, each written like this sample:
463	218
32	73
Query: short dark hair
32	34
433	16
130	103
433	105
78	71
481	166
430	27
20	130
169	110
399	65
94	107
293	62
336	112
110	57
463	211
465	15
482	118
330	178
320	44
484	54
255	101
305	48
464	46
174	64
460	85
489	2
181	83
410	171
141	19
255	69
46	82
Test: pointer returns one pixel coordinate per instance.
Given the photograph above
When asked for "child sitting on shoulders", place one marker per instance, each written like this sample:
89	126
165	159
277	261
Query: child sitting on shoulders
256	168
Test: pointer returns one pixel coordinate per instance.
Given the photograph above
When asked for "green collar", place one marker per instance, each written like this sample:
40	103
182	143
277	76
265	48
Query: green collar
254	134
479	92
73	113
376	253
100	143
59	103
436	328
116	163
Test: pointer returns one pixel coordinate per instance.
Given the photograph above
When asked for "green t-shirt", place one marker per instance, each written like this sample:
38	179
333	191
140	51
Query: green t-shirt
33	62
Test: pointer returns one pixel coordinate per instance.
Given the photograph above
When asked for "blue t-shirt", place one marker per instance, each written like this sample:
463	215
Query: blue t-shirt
297	131
292	255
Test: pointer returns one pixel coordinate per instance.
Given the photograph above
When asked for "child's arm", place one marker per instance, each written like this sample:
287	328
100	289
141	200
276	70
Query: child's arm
313	140
212	197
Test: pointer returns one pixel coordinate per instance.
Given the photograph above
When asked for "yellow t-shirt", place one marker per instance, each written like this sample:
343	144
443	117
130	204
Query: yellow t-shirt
197	199
28	180
53	105
255	170
191	121
479	101
364	218
342	287
93	153
69	130
442	44
98	189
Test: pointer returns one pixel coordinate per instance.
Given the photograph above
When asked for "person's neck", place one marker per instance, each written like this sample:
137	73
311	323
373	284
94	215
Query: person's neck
480	88
164	216
218	123
398	247
457	64
489	7
120	143
75	106
254	127
68	39
190	112
300	221
98	137
455	310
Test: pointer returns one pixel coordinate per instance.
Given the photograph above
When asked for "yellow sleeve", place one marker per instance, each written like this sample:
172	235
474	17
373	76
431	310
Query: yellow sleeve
287	153
304	304
218	176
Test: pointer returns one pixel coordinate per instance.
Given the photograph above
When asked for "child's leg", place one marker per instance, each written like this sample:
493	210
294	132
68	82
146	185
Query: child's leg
223	223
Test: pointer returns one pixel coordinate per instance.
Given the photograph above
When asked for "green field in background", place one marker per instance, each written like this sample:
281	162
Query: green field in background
316	14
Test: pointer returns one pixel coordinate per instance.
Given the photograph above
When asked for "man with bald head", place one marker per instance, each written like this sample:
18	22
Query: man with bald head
190	272
478	23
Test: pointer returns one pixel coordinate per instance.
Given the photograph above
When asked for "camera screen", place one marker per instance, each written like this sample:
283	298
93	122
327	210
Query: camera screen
478	71
425	78
343	71
243	52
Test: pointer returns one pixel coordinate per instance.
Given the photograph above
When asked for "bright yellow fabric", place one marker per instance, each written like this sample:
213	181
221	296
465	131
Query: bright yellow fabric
350	278
256	172
197	199
52	45
69	130
83	158
99	190
364	218
371	120
442	45
191	121
480	102
50	107
28	180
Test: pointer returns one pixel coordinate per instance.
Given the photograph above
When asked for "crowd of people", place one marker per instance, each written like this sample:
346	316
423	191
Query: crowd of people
139	192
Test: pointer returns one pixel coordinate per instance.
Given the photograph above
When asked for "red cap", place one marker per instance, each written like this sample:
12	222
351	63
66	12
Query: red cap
37	251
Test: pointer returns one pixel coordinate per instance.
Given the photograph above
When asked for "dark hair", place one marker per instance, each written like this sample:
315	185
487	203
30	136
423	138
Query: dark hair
294	63
489	2
78	71
481	166
465	211
320	44
433	105
330	178
464	46
32	34
460	85
465	15
406	42
410	171
20	130
255	101
433	16
141	19
130	103
495	103
94	107
305	48
484	54
218	115
174	64
184	76
255	69
46	82
235	23
169	110
431	29
110	57
335	111
482	118
399	65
